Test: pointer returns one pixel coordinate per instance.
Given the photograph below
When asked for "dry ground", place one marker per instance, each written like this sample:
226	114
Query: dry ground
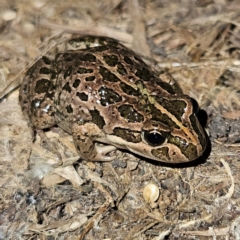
198	42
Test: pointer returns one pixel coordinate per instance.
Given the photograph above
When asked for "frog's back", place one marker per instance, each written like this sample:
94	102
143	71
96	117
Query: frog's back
104	81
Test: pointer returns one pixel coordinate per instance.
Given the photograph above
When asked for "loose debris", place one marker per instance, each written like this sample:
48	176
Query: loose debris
198	42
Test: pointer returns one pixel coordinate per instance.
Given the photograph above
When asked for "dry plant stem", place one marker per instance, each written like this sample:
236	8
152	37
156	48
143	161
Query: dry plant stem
210	232
139	29
232	145
192	223
99	214
90	30
153	216
231	189
60	226
58	203
232	65
139	229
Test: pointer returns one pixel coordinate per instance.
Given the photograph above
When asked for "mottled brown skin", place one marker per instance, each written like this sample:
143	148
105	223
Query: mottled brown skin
100	91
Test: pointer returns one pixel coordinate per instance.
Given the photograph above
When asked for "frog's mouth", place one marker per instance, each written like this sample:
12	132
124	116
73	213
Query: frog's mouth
166	152
175	151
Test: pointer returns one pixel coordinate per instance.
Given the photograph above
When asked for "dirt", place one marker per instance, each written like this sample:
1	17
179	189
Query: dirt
198	42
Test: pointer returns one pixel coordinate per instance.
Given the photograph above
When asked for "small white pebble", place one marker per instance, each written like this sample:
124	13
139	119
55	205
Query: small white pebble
8	15
38	4
28	27
150	193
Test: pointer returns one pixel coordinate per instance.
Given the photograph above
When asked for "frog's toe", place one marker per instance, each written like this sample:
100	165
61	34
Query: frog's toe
102	151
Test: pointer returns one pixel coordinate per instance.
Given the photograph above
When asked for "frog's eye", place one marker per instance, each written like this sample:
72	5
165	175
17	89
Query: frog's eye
153	138
195	106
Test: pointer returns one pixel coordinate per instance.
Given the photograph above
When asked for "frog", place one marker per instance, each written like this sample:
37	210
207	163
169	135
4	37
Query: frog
105	96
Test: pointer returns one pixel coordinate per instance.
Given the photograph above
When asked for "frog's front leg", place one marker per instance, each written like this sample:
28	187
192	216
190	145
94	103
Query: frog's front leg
84	139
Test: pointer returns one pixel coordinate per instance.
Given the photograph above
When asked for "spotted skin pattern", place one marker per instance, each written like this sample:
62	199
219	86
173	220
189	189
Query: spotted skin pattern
102	92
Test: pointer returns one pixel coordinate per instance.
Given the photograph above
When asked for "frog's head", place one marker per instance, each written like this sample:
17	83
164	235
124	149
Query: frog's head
170	131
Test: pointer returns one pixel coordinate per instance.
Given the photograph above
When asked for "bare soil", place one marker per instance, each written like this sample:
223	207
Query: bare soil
198	42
